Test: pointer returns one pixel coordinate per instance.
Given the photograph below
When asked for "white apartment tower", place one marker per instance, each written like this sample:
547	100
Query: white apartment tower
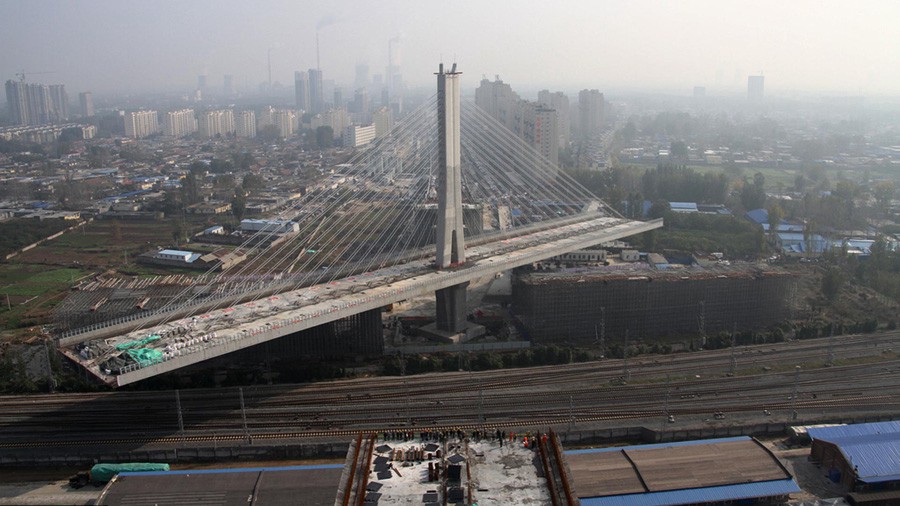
181	123
140	124
559	102
219	123
383	119
546	133
245	124
590	113
356	136
284	119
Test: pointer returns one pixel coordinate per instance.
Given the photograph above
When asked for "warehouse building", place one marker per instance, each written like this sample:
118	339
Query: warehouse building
269	226
864	458
737	470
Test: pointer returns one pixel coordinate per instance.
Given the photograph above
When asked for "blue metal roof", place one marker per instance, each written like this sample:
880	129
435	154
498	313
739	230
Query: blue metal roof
698	495
858	429
683	206
175	252
758	215
872	448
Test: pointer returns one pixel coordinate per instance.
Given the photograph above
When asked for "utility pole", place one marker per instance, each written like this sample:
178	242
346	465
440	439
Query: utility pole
244	413
701	323
665	419
733	342
480	404
406	396
571	413
51	381
602	337
625	372
178	408
830	361
794	394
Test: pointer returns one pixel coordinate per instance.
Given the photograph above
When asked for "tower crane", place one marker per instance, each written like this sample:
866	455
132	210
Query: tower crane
21	75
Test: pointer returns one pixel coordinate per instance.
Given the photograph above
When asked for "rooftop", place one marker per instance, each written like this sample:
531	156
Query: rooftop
693	471
873	448
229	487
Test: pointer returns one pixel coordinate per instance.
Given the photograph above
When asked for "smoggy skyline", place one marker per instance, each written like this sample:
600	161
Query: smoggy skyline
162	45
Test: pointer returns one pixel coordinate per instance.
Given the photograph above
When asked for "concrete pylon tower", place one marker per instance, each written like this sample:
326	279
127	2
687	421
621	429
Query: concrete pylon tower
451	247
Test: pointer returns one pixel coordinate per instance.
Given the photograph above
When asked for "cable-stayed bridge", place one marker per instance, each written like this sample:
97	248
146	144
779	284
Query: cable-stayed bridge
449	196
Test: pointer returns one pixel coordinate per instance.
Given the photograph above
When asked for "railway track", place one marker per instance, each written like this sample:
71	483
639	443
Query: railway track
535	397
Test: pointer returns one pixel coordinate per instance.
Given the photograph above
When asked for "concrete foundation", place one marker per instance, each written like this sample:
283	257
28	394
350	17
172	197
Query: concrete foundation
465	333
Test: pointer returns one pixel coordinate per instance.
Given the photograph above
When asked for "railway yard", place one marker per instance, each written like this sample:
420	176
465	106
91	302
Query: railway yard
722	388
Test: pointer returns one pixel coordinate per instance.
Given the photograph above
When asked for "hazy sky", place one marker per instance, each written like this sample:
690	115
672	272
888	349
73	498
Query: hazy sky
845	47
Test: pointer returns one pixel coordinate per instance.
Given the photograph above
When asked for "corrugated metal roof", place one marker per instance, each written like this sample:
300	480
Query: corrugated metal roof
858	429
660	445
698	495
872	448
758	215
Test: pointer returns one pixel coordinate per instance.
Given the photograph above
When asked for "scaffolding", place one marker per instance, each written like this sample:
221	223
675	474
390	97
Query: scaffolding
569	306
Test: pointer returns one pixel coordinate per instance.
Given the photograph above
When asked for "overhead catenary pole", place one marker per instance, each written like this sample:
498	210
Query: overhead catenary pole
243	413
178	409
733	365
794	393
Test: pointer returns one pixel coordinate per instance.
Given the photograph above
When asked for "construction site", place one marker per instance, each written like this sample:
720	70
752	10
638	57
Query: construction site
639	300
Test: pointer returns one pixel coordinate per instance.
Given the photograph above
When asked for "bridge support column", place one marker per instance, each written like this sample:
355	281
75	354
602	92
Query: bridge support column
451	308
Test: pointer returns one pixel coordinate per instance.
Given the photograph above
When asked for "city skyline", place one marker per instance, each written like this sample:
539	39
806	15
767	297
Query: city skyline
136	47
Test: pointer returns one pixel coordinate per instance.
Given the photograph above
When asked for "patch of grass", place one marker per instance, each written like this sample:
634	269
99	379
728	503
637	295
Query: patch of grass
57	276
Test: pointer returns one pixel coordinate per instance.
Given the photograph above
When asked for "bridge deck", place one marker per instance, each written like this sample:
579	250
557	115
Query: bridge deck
240	326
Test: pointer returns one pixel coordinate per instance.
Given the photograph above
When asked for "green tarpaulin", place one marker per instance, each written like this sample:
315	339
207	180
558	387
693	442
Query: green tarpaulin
104	472
146	356
139	342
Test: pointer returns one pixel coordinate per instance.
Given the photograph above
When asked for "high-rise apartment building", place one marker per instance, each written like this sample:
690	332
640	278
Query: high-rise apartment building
140	124
545	132
301	91
36	104
335	118
316	91
181	123
86	101
383	119
755	88
284	119
590	113
266	117
218	123
245	124
356	136
362	76
534	123
559	102
228	85
60	103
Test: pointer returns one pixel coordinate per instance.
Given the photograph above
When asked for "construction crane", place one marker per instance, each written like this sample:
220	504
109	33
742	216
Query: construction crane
21	75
